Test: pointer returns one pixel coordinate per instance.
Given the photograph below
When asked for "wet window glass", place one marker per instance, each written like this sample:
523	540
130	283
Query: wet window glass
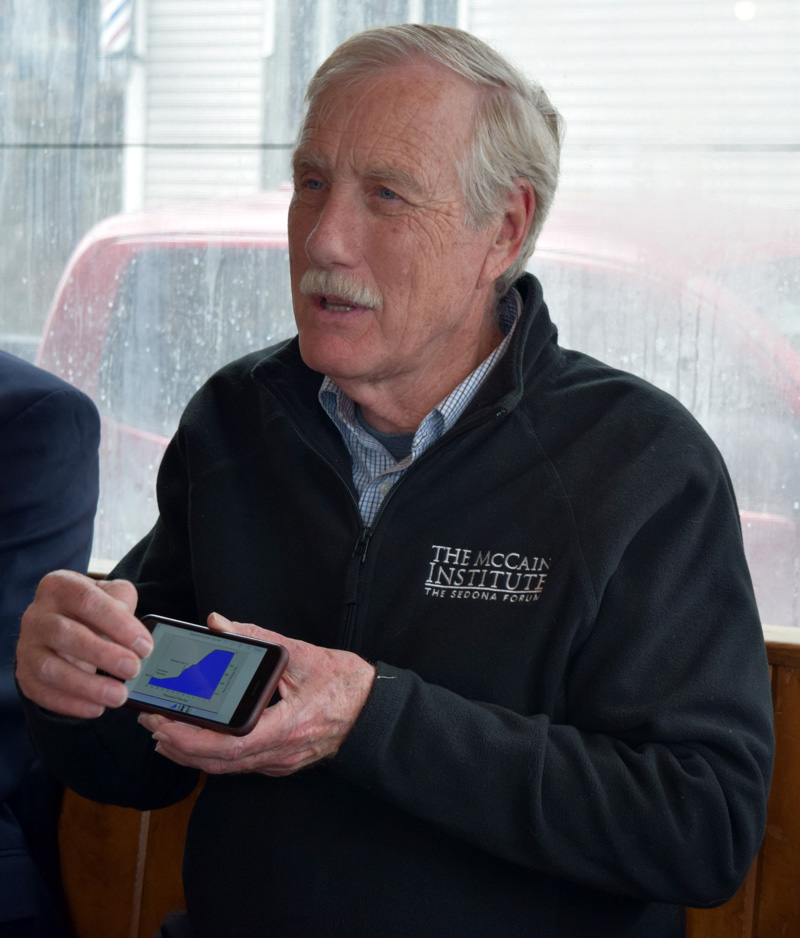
144	170
179	316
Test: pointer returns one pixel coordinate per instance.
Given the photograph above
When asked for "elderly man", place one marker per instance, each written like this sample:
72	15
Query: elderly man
527	686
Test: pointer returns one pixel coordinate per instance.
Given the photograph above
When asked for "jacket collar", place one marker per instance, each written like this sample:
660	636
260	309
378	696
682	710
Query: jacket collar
531	353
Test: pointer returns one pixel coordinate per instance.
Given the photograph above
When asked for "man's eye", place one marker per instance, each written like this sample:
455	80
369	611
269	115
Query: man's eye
385	193
304	183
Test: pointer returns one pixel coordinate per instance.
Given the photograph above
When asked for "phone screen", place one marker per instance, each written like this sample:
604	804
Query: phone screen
198	674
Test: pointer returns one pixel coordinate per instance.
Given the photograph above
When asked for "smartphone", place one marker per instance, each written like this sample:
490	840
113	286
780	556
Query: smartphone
198	675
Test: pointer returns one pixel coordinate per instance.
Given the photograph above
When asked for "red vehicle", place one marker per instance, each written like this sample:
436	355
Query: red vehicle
151	304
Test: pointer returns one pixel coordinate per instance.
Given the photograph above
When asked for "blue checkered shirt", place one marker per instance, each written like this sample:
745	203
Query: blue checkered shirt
375	470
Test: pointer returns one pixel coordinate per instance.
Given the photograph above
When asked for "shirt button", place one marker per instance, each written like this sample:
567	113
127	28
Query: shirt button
384	485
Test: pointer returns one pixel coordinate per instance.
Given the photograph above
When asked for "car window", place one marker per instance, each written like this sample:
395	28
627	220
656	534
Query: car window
180	314
772	287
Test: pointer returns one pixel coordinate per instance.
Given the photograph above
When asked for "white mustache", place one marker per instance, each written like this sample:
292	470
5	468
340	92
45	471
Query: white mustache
318	281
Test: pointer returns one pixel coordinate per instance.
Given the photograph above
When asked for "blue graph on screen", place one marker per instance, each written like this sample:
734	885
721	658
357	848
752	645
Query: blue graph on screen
201	679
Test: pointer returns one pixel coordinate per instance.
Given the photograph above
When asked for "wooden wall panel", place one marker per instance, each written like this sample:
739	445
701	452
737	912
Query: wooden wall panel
162	886
121	868
735	919
779	893
99	866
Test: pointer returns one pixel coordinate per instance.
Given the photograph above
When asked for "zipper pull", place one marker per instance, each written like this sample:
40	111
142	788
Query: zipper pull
359	553
360	550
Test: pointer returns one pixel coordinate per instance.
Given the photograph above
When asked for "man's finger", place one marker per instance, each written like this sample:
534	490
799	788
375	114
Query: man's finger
219	623
104	607
123	591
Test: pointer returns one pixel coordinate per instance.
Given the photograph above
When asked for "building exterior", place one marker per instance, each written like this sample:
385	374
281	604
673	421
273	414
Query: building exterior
672	97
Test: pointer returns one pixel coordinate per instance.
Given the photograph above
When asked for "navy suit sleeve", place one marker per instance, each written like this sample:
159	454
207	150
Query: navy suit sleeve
49	438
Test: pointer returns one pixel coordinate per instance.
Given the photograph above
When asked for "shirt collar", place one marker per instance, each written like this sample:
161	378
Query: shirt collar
341	408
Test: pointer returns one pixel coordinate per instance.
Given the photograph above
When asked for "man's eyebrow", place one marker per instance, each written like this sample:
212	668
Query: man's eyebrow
395	175
304	160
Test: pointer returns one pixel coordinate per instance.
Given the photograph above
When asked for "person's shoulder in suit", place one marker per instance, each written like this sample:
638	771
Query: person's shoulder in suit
23	384
49	440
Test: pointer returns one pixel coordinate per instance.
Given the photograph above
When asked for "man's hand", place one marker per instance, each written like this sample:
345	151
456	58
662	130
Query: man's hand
322	693
74	627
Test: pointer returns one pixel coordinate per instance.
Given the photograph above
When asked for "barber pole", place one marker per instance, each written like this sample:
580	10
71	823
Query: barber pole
115	26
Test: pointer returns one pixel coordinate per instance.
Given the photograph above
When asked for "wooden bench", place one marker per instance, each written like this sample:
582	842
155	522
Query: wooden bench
122	868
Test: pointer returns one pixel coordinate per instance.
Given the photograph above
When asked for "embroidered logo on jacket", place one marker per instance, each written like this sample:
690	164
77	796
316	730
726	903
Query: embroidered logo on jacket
461	573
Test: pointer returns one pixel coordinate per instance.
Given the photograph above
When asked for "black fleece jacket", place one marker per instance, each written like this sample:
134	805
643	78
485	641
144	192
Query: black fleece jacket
570	731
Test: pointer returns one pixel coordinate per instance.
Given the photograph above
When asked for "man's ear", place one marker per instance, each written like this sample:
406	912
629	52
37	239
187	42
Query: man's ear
513	229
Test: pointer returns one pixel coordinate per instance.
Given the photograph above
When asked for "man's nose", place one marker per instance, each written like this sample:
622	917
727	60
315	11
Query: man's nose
335	237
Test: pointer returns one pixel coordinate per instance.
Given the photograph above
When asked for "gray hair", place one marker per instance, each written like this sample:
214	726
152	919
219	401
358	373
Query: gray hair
517	132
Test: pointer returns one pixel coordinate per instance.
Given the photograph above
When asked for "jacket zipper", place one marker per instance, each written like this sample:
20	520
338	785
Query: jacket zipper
352	593
355	569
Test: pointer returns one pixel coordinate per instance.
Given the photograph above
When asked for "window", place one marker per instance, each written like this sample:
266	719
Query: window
143	167
180	314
